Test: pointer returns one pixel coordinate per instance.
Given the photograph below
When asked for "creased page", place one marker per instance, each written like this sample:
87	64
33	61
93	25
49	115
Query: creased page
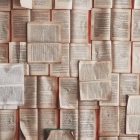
5	5
38	32
26	3
42	4
29	123
82	4
4	27
8	124
129	84
103	3
136	4
109	118
92	70
30	92
114	90
122	3
44	53
78	52
69	120
101	50
68	93
4	53
63	4
47	118
62	69
108	138
63	16
100	24
47	92
95	90
87	124
40	15
120	24
39	69
121	56
79	26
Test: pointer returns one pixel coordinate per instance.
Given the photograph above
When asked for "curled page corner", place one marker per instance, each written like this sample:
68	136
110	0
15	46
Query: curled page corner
26	3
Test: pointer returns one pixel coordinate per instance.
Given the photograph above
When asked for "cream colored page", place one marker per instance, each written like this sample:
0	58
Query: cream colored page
16	4
82	4
129	84
29	123
19	19
40	15
47	92
5	5
136	4
95	90
42	4
30	92
69	119
68	93
26	69
39	69
62	69
8	107
79	26
109	118
63	4
78	52
136	57
135	35
4	27
38	32
92	70
100	24
26	3
128	138
87	124
4	53
8	125
120	24
101	50
47	118
114	90
122	4
63	16
44	53
121	56
108	138
103	3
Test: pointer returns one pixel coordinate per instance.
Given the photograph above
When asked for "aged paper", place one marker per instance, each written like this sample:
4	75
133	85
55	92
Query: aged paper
4	49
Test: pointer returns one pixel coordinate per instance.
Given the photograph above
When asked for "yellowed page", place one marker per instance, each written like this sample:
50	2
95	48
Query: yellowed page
4	53
65	4
108	138
5	5
42	4
122	3
103	3
17	5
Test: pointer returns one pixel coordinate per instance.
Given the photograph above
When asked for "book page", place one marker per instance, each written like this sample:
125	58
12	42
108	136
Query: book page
129	84
78	52
101	50
26	69
69	120
63	4
100	24
92	70
26	3
103	3
19	19
121	56
95	90
4	49
39	69
17	5
128	138
79	26
68	93
11	89
44	53
120	25
47	118
30	92
136	4
42	4
63	17
62	69
29	123
87	124
4	27
122	3
38	32
109	118
114	90
82	4
5	5
47	90
40	15
108	138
